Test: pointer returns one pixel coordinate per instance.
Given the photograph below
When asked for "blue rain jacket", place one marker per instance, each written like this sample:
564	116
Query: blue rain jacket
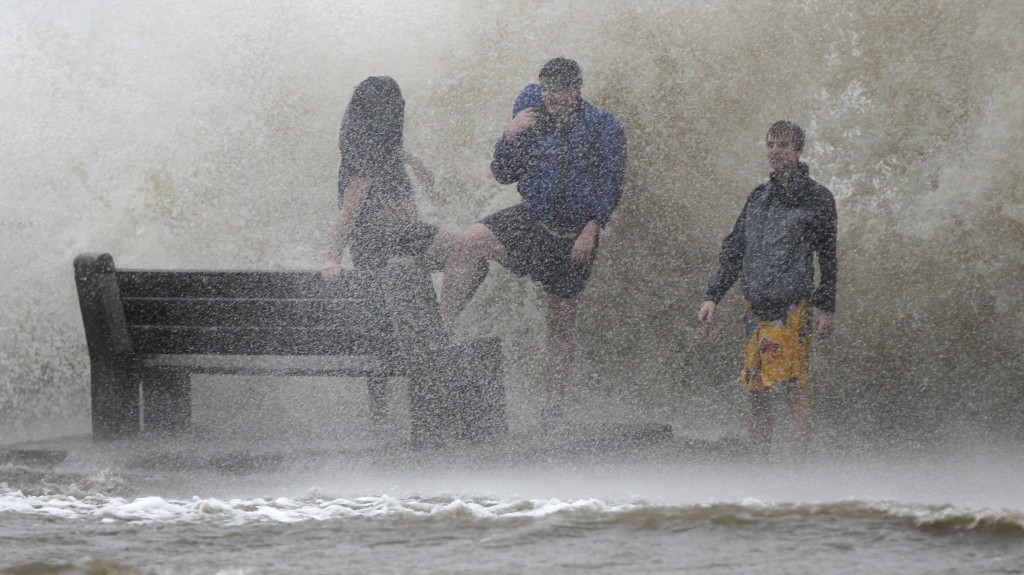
590	156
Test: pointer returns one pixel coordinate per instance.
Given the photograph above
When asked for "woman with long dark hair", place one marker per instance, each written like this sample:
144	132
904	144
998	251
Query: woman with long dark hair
378	219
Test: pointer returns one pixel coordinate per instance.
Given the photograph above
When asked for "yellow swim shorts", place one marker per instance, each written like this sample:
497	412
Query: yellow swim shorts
777	352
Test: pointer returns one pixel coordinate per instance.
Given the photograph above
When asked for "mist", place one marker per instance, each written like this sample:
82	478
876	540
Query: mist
204	135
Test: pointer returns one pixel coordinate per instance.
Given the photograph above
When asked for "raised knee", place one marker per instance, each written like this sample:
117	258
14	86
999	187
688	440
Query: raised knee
471	241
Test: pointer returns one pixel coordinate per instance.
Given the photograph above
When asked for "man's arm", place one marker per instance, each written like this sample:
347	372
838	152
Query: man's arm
583	249
824	297
351	203
730	260
824	324
512	152
611	181
706	314
613	170
730	265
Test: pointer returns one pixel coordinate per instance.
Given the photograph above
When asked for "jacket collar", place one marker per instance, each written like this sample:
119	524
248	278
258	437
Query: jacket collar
803	172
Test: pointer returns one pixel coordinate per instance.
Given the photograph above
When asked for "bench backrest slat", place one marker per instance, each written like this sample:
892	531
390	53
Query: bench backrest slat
254	341
256	312
243	284
390	313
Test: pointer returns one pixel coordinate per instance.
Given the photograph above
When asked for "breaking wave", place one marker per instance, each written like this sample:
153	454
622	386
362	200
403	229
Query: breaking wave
240	512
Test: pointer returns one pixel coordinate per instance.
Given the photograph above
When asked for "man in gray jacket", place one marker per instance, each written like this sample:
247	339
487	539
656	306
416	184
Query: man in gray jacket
784	223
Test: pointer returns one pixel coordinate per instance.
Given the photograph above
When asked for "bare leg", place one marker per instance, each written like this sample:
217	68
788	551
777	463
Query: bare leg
761	421
436	256
800	406
561	346
467	268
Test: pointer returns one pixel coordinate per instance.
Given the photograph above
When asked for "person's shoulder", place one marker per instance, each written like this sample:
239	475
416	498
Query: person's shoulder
812	185
756	198
819	192
759	190
601	121
593	112
820	197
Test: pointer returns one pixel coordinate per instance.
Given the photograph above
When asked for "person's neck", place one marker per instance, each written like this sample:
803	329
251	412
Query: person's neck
565	119
786	173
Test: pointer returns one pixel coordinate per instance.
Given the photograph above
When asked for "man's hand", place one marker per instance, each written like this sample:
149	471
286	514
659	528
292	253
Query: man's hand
824	324
583	249
332	269
706	315
521	122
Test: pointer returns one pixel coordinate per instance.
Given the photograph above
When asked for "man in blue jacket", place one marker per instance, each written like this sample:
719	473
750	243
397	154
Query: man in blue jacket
569	160
771	249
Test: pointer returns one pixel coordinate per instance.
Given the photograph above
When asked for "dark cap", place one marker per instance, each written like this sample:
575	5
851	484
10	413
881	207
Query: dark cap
561	73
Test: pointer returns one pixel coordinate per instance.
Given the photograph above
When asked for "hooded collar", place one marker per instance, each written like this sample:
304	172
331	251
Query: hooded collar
802	172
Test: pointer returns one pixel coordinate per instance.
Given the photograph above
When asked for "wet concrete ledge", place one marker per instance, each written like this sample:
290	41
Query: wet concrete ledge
33	457
609	442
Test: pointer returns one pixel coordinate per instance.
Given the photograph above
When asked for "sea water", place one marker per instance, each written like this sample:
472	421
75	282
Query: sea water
468	509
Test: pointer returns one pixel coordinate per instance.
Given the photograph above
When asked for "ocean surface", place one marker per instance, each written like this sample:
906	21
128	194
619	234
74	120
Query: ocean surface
531	504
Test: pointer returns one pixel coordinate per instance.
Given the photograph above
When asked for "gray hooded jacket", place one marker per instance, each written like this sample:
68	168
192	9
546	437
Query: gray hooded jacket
771	248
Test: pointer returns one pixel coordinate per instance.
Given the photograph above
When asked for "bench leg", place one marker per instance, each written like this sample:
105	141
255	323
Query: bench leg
166	400
377	385
114	401
434	400
426	411
460	396
482	404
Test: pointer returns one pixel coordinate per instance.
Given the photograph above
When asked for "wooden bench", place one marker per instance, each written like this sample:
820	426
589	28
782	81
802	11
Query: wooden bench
147	331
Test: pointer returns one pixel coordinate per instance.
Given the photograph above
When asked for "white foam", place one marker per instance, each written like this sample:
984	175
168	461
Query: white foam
286	510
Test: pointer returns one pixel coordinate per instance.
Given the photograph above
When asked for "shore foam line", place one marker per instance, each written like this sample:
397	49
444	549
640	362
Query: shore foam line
155	509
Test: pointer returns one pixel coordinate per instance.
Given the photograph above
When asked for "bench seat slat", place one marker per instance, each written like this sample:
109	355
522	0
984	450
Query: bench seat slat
244	284
255	341
256	312
282	365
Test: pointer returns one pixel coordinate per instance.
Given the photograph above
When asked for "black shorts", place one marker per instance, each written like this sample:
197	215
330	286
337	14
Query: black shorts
372	248
534	251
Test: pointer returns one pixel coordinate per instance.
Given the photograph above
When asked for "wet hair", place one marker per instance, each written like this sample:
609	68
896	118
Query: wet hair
371	129
789	129
561	73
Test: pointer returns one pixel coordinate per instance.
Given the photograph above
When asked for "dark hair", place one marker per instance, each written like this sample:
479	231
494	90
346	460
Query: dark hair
789	129
561	73
372	126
